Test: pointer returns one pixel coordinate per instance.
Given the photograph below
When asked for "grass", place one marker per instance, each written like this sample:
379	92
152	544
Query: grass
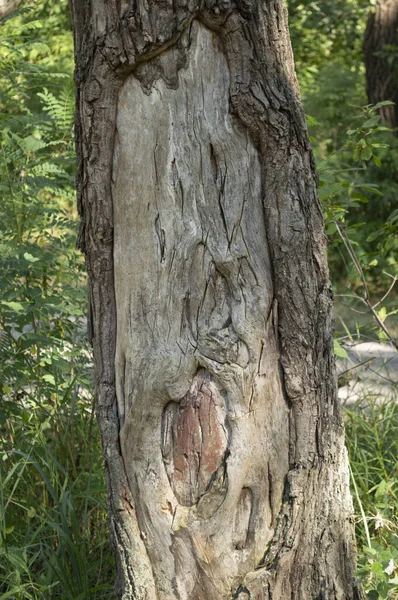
372	442
53	522
350	313
54	536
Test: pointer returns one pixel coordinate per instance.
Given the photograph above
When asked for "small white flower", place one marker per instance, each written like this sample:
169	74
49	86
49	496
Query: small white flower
379	521
391	567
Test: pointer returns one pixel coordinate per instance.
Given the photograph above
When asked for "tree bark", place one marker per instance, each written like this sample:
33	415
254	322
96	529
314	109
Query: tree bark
210	305
7	7
382	75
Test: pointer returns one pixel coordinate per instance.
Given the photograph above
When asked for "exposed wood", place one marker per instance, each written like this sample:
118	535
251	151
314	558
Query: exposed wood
381	74
210	305
205	422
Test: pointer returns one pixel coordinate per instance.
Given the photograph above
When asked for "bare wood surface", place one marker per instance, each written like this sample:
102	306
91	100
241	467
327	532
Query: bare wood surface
192	143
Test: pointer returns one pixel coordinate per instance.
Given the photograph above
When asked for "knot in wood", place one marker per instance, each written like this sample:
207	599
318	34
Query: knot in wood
194	439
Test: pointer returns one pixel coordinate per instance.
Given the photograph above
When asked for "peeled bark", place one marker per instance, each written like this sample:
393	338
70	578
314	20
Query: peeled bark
381	75
210	306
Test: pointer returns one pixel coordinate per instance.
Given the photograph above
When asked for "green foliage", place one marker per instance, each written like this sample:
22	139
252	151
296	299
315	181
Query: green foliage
53	528
357	161
320	29
346	185
372	441
327	42
357	157
365	249
53	525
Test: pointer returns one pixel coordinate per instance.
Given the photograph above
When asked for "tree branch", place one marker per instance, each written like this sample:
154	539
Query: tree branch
366	296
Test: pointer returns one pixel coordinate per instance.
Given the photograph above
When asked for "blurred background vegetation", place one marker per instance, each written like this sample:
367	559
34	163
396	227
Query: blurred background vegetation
53	524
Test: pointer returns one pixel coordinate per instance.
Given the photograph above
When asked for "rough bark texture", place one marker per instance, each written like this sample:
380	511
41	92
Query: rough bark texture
382	76
7	7
210	305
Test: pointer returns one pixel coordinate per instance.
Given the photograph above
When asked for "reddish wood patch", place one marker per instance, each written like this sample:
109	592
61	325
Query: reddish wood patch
194	439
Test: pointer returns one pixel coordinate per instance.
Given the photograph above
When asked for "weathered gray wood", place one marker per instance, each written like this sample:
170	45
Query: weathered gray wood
205	422
210	305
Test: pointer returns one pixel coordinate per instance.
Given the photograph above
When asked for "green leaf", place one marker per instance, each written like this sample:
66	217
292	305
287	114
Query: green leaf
382	314
312	122
331	229
360	197
374	235
31	512
16	306
384	103
49	378
339	351
18	561
381	488
378	570
370	188
372	122
366	154
30	258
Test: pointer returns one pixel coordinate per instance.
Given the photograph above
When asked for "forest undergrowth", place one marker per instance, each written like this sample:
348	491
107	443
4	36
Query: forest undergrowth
54	540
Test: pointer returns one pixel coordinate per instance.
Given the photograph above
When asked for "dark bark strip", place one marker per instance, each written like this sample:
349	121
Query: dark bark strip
382	75
307	534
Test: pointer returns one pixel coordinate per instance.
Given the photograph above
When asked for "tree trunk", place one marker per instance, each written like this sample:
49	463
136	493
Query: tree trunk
8	7
381	74
210	305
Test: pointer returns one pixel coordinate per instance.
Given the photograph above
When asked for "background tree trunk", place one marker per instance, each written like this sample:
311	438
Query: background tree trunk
382	75
210	305
7	7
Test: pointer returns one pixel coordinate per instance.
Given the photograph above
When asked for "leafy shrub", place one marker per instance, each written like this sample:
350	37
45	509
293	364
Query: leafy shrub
53	526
